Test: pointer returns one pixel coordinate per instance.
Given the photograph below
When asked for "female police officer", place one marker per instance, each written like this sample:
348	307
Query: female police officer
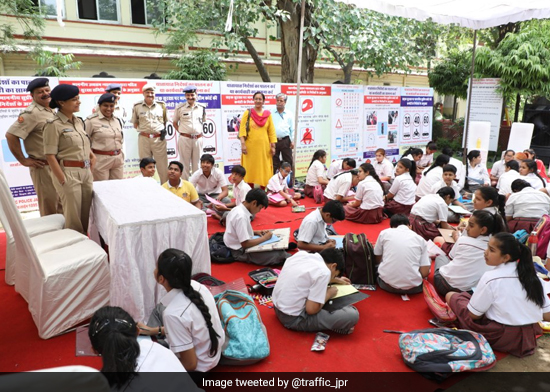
105	131
68	152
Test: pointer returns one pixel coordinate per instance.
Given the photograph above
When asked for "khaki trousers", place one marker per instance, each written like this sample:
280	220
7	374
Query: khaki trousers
76	197
156	148
108	167
189	151
48	201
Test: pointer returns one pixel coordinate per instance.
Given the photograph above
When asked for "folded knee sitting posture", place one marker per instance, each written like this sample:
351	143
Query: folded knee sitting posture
302	290
403	258
430	212
312	235
509	300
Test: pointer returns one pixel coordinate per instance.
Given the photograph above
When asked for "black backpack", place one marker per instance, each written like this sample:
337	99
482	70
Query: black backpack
359	259
207	279
219	252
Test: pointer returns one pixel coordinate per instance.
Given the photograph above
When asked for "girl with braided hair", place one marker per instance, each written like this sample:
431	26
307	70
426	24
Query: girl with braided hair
190	318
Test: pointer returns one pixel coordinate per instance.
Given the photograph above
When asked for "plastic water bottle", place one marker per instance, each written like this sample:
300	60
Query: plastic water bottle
533	242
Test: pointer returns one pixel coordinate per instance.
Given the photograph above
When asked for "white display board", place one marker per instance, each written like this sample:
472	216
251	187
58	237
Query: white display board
520	136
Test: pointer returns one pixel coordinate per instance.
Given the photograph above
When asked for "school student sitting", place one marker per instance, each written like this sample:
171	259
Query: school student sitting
460	175
312	235
509	300
384	168
147	168
431	175
400	198
511	173
448	179
403	258
239	235
113	334
180	187
525	206
368	204
240	189
339	166
476	172
277	185
464	268
499	168
316	172
210	181
430	212
302	290
528	172
340	185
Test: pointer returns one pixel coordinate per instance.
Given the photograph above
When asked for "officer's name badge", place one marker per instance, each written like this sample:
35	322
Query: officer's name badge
68	130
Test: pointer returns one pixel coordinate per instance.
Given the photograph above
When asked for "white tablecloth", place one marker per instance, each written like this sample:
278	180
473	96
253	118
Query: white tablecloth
139	219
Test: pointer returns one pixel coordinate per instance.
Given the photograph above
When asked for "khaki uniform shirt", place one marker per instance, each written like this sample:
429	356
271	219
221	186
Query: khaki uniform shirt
30	127
119	112
105	134
66	138
190	118
149	119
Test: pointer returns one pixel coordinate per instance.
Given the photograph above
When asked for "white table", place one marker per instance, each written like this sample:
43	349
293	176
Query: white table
139	219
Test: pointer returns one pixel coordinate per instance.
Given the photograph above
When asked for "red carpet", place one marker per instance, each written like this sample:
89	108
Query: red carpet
368	349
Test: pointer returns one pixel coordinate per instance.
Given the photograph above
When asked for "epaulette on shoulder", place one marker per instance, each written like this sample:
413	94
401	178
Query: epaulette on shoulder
138	103
161	103
51	120
93	115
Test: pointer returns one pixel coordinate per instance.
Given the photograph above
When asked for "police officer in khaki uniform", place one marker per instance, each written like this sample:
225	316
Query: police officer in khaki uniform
29	127
188	119
68	151
105	131
116	90
149	118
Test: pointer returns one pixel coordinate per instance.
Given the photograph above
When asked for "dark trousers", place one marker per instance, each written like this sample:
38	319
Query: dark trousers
282	147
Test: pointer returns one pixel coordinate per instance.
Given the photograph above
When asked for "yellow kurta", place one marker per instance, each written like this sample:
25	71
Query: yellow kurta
258	161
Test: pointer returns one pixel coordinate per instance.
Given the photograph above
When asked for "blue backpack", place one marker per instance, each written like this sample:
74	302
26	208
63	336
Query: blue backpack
245	333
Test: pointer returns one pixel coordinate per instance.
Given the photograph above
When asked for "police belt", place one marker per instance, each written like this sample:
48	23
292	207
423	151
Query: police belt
114	152
150	135
189	136
80	164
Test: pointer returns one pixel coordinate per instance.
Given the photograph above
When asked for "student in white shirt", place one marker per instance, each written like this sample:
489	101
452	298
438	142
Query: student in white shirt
427	158
339	166
312	234
340	185
147	168
430	213
383	168
448	179
240	189
509	300
277	186
113	334
511	173
528	172
476	172
368	204
431	176
465	267
400	198
460	170
525	206
316	172
403	258
541	170
239	235
413	154
210	181
302	290
499	167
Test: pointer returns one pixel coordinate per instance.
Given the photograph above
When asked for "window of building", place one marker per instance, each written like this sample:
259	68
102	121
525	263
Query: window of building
100	10
48	7
145	12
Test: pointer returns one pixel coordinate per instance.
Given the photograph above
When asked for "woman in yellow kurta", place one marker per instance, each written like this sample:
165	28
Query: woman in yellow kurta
257	143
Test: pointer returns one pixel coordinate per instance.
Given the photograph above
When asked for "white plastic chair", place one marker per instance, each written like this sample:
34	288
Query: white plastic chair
67	283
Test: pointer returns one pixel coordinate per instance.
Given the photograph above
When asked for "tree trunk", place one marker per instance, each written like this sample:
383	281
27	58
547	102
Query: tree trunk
516	112
290	37
257	60
454	109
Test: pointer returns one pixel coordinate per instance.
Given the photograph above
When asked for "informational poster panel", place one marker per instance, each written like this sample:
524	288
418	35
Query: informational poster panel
314	126
382	121
417	115
486	106
14	98
237	97
347	117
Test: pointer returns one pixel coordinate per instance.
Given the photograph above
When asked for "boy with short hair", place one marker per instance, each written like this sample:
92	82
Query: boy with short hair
302	290
449	179
339	166
277	186
403	258
239	235
240	189
180	187
312	235
210	181
147	167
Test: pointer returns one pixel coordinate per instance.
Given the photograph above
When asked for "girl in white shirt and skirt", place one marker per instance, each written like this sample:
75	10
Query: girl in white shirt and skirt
430	213
368	205
316	173
525	206
400	197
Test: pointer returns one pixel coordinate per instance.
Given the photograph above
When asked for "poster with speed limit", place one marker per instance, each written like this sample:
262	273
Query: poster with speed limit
416	114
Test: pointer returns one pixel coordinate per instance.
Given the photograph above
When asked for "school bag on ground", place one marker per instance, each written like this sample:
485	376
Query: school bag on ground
437	353
246	339
543	233
318	194
207	279
359	259
439	308
219	252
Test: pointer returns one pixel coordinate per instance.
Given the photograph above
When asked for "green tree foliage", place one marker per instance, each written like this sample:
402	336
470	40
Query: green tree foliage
450	76
198	65
54	64
27	21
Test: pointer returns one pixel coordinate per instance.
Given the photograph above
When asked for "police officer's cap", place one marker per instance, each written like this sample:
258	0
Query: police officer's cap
190	89
148	87
63	92
113	86
37	83
107	97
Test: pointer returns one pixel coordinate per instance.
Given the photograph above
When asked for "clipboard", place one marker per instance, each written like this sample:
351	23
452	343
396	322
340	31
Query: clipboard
283	234
447	235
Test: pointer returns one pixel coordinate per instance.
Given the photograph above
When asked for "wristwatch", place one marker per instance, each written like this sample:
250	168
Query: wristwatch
159	334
